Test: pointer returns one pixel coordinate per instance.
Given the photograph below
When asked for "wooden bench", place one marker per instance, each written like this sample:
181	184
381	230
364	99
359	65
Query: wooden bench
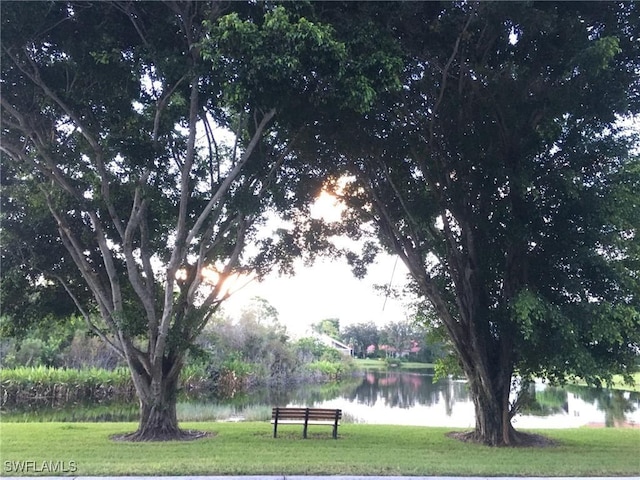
306	417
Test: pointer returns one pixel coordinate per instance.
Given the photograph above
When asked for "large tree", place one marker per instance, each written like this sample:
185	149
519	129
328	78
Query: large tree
114	116
501	177
361	336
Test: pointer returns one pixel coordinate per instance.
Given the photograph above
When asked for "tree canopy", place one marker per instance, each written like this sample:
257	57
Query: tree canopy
502	177
155	136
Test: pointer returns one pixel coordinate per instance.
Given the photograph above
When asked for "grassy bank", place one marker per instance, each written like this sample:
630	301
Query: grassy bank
619	383
248	448
379	364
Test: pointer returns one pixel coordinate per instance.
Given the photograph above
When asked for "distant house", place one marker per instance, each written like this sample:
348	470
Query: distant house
415	348
393	352
333	343
389	350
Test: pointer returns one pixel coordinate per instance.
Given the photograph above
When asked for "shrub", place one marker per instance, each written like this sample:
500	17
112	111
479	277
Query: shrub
332	370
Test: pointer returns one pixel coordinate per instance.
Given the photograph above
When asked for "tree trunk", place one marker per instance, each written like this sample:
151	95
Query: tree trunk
158	396
158	419
493	419
490	394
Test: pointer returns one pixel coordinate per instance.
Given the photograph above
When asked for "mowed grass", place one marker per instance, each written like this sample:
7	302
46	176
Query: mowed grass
248	448
379	364
619	383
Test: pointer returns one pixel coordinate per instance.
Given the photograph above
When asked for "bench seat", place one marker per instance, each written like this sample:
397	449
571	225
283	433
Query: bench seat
305	416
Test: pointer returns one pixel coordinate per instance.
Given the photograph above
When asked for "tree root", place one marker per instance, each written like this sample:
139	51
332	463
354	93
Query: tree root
180	435
518	439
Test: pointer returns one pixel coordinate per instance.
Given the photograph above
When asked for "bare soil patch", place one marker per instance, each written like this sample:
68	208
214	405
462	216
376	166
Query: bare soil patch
522	439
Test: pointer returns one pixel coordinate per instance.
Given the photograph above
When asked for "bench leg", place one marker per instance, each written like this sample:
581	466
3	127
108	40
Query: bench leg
304	431
275	428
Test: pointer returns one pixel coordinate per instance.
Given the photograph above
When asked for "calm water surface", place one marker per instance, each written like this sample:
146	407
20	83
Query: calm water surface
385	397
405	398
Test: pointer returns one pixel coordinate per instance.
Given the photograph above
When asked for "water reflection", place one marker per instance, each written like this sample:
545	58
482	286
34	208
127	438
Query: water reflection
399	398
408	390
403	390
412	398
620	408
406	398
550	401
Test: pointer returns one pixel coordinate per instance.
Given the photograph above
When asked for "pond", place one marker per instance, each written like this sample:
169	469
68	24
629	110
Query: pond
386	397
412	398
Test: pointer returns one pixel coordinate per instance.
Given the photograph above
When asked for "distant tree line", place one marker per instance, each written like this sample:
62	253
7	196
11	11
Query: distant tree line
256	347
253	349
408	338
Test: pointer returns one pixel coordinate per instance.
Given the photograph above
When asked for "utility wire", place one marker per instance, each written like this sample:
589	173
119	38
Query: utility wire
390	282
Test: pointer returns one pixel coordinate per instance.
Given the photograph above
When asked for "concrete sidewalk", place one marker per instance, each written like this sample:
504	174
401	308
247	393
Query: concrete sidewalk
320	477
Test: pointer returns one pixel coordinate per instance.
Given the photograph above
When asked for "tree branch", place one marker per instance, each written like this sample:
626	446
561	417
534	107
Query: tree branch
87	318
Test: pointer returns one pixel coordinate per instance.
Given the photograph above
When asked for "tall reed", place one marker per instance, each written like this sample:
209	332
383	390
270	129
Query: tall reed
33	386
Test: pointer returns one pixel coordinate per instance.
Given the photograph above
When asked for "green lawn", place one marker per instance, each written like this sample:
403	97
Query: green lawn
620	384
248	448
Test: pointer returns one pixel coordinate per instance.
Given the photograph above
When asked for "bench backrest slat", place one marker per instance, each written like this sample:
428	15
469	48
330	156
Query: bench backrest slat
306	416
295	413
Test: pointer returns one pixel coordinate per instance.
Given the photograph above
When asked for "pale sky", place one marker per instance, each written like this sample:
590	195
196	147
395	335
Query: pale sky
328	289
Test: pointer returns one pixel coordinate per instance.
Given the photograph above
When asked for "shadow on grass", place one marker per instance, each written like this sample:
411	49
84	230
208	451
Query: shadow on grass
293	435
